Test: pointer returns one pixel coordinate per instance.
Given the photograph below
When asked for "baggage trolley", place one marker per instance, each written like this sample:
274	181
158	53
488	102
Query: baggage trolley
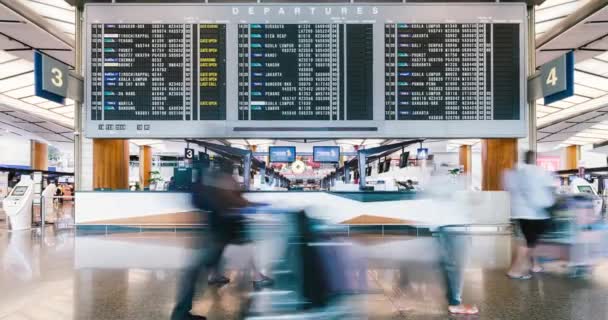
575	235
303	287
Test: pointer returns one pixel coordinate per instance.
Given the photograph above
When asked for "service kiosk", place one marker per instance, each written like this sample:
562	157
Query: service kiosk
18	204
580	185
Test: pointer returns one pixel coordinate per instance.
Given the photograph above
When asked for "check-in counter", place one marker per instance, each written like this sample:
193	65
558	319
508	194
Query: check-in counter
487	207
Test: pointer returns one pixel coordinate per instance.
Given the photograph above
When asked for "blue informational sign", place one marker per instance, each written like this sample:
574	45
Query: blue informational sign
50	78
330	154
282	154
558	73
422	153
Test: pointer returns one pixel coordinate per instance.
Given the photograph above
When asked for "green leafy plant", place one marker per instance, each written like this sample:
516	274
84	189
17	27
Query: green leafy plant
155	177
455	172
53	153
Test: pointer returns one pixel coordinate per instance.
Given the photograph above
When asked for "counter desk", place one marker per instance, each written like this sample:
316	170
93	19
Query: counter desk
125	207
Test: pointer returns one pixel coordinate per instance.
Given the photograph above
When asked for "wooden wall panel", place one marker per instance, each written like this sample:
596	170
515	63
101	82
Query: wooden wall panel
39	155
573	155
465	156
145	166
111	164
497	156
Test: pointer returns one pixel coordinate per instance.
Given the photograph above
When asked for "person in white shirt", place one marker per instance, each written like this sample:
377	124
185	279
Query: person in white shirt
450	207
49	206
531	195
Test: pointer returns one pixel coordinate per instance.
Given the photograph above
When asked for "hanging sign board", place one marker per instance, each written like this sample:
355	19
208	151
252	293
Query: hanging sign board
189	153
51	78
557	78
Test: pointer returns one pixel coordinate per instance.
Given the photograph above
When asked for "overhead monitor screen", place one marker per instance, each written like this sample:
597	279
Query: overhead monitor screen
282	154
403	159
585	189
422	153
330	154
305	70
387	165
19	191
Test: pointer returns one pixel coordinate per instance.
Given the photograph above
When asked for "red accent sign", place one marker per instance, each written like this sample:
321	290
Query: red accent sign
549	163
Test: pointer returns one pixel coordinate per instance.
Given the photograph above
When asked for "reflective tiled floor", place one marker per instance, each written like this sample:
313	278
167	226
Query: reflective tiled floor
133	276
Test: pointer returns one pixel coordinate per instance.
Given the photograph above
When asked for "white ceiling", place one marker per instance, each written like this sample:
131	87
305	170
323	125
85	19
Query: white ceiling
14	122
56	12
580	119
23	111
587	38
552	12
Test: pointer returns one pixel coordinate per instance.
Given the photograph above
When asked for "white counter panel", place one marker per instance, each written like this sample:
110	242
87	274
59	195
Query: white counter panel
491	207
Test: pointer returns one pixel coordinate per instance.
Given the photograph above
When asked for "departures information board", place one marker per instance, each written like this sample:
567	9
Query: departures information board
298	72
144	72
305	70
446	71
211	72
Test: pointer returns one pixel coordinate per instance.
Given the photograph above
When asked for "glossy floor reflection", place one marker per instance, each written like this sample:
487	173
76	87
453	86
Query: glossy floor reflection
133	276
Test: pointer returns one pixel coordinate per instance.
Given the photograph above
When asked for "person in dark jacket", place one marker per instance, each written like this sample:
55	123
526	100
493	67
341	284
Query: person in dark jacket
219	194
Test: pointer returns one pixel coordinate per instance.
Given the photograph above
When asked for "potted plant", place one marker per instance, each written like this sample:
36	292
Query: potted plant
155	179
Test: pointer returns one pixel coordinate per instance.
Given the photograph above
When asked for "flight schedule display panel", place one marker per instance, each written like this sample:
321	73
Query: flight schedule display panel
305	70
301	72
146	73
452	71
211	72
143	71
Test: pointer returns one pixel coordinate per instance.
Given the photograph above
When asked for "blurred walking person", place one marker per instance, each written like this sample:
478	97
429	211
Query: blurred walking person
218	193
451	208
531	195
59	194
